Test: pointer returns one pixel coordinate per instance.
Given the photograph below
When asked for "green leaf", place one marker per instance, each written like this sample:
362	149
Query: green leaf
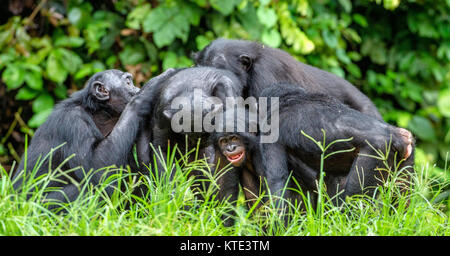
13	76
26	93
75	16
354	70
70	60
346	4
360	20
137	15
201	3
80	15
34	80
132	54
272	38
447	137
443	103
338	71
3	150
90	68
39	118
151	50
342	56
43	102
330	38
422	128
85	70
60	91
55	70
224	7
69	41
169	22
249	20
267	16
7	57
376	49
201	42
171	60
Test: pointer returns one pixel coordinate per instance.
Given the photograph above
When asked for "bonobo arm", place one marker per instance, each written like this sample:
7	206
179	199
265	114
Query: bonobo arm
121	139
115	148
153	90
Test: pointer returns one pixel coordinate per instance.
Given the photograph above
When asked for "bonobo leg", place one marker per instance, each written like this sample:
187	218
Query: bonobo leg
228	182
251	186
367	172
65	194
275	169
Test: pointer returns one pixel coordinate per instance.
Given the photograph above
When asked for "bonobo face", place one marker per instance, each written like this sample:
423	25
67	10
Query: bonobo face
197	91
233	148
234	55
113	88
211	81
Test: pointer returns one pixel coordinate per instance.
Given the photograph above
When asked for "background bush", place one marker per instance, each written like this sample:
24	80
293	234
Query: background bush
397	52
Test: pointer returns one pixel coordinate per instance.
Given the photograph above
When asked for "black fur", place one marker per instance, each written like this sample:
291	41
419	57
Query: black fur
259	66
247	174
158	130
301	111
98	133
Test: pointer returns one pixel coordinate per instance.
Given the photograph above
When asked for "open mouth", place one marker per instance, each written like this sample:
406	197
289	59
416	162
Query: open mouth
236	158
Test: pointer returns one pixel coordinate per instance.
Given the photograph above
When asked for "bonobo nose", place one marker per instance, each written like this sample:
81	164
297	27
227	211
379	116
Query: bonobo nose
231	148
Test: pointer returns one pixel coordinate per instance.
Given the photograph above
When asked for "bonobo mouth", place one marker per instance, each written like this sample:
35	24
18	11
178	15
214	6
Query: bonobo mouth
236	158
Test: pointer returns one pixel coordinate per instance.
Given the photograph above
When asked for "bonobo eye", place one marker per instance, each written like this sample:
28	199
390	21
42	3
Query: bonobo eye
234	139
129	79
246	61
223	141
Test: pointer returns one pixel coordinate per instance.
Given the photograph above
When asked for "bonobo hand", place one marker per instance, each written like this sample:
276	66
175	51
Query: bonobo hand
157	79
149	93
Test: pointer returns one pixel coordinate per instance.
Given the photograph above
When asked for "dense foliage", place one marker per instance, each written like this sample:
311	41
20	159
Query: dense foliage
397	52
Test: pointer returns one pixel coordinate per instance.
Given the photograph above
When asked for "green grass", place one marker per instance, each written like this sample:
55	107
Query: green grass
171	208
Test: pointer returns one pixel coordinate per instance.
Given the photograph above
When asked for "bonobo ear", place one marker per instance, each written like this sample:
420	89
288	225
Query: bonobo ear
101	92
246	61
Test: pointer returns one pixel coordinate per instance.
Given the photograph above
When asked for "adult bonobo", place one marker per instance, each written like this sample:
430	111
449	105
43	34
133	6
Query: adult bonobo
96	127
259	66
201	91
359	171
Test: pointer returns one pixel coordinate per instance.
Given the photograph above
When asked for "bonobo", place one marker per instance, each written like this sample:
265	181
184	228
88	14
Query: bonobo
96	127
358	172
236	157
259	66
200	92
241	150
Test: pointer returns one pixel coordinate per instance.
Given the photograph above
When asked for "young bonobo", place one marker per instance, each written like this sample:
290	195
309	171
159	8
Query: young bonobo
240	150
